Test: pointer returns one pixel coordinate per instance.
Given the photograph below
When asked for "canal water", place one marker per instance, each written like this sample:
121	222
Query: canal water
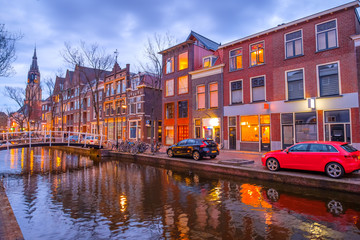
59	195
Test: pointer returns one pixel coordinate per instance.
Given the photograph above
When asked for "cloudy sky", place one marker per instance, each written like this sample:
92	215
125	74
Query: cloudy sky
125	26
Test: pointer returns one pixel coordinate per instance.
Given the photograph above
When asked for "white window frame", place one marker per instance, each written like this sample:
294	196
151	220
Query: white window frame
302	43
262	41
337	35
242	95
242	59
318	77
286	82
251	94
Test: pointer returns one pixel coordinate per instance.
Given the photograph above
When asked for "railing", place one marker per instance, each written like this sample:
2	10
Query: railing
51	137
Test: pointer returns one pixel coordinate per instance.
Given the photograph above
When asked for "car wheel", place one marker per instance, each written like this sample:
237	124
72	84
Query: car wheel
272	164
170	153
272	194
335	207
212	157
196	155
334	170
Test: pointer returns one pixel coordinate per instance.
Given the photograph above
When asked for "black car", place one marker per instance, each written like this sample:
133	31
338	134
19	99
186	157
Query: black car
195	148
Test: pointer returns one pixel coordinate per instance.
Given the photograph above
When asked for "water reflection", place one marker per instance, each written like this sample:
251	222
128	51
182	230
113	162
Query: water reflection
115	200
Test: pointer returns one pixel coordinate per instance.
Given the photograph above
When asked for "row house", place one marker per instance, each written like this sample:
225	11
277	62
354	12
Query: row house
177	98
295	82
115	102
144	104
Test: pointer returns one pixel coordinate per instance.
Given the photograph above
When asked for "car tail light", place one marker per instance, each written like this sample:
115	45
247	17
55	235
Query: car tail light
203	144
351	157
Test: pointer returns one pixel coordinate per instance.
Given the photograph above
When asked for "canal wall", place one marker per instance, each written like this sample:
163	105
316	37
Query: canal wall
304	179
92	152
9	227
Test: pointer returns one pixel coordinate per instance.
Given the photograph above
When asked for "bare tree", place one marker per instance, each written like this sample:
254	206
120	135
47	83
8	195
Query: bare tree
154	66
50	87
18	95
7	50
92	63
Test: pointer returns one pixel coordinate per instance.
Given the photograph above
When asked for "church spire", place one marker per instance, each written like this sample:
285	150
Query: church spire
34	65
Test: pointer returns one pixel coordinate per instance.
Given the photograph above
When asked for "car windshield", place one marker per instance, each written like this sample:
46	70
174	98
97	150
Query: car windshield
348	148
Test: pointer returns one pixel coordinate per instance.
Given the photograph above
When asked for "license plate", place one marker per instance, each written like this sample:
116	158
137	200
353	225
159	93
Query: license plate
213	151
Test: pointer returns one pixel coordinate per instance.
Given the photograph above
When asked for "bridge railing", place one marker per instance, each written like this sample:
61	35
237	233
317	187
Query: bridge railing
32	137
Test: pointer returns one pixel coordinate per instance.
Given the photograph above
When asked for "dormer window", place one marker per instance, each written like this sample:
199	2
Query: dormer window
209	61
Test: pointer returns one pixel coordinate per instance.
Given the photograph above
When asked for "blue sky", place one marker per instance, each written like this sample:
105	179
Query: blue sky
125	26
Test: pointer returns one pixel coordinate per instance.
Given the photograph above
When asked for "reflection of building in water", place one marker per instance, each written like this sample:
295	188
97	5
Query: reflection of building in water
43	160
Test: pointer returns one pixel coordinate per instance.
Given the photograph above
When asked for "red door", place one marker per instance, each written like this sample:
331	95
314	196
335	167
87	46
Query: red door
183	132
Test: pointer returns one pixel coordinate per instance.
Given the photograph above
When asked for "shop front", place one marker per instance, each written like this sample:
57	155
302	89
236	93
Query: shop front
210	129
255	133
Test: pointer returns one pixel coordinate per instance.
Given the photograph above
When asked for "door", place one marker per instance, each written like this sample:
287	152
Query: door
287	136
337	132
232	138
265	138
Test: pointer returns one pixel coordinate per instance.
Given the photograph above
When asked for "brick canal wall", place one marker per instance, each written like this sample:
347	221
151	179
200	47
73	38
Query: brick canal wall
9	227
351	184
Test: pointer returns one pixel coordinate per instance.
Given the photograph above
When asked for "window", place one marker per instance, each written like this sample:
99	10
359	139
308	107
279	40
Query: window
329	80
139	107
236	92
183	61
293	44
258	89
132	105
118	87
169	135
257	54
295	84
207	62
197	128
235	59
321	148
123	86
133	126
183	84
299	148
169	65
183	109
201	97
213	95
169	87
249	128
169	108
305	127
100	96
134	83
326	35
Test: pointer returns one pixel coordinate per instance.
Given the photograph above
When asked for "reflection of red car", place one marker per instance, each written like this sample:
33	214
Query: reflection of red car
330	211
334	158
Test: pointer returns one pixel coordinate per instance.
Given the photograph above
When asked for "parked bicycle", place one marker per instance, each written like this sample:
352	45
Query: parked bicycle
155	147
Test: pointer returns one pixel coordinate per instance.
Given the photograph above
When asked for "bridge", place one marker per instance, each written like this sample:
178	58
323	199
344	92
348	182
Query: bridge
9	140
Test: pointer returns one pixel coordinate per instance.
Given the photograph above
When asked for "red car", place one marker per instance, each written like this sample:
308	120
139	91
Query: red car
334	158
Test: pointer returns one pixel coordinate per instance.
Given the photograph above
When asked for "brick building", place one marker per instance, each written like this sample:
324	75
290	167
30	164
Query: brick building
178	61
295	82
115	102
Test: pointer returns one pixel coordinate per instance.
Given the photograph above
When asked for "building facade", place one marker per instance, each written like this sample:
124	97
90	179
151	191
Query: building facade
178	61
295	82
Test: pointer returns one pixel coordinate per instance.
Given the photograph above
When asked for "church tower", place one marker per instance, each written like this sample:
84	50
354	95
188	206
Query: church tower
33	92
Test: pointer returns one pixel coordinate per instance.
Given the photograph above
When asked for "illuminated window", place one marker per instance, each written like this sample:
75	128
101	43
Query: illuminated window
329	80
257	54
201	97
183	61
235	59
295	84
169	65
169	135
249	128
183	84
183	109
169	110
326	35
258	89
236	92
213	95
169	87
207	62
293	44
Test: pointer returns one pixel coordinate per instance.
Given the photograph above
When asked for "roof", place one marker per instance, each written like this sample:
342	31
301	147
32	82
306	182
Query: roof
286	25
210	44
